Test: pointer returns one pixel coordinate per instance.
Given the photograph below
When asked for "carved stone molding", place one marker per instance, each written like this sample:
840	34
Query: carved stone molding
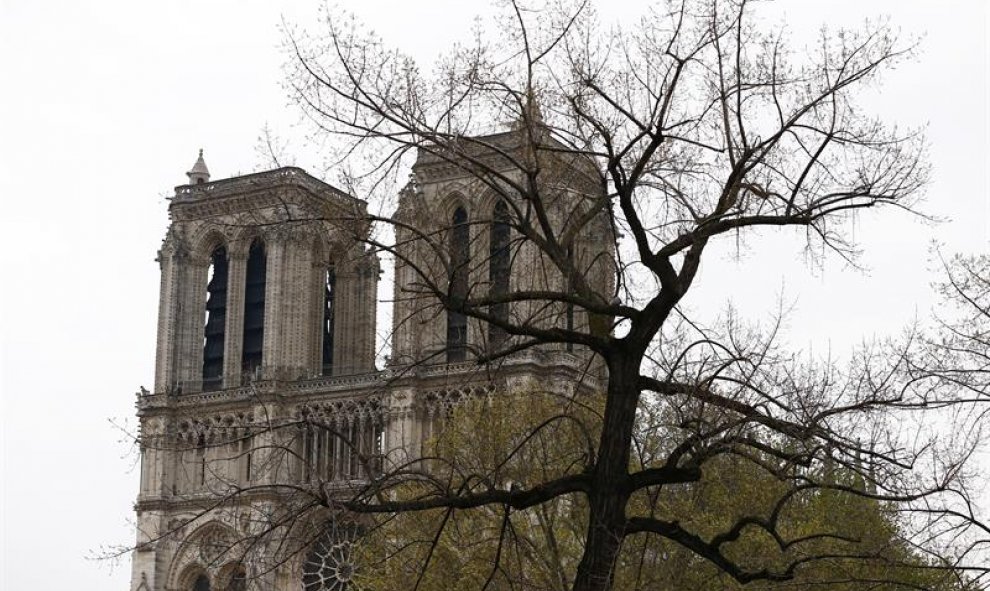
360	411
214	429
442	401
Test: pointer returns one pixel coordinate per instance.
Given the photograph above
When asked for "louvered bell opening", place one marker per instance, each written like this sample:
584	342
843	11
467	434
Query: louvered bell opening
458	287
254	309
329	289
216	321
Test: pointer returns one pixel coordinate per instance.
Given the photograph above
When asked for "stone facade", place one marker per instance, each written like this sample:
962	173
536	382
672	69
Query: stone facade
280	262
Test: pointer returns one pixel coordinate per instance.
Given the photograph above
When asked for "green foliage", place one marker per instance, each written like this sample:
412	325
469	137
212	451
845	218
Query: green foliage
845	541
484	444
837	540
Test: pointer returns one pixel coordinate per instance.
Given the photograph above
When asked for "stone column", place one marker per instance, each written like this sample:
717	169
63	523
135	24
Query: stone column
264	446
146	562
153	457
168	306
346	312
316	286
403	431
234	328
288	307
295	307
367	315
191	324
274	285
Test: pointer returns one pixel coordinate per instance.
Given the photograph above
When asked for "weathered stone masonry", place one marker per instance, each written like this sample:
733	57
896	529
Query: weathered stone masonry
203	440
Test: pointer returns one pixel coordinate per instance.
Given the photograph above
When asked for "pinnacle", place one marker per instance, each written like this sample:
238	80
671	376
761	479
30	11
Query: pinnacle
199	173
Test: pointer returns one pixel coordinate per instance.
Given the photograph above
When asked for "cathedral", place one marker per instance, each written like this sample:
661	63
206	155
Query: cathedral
267	390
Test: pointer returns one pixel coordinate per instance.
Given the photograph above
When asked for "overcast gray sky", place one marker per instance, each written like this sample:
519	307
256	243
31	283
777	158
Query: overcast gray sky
103	107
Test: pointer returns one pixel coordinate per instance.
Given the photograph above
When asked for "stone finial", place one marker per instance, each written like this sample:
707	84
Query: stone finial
199	173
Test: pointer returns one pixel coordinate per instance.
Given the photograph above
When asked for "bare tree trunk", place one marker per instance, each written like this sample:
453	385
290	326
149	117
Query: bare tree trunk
608	498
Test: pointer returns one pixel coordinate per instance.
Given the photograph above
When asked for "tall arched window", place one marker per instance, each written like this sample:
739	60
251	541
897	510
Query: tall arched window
499	266
246	447
254	308
569	307
201	462
216	320
329	293
458	245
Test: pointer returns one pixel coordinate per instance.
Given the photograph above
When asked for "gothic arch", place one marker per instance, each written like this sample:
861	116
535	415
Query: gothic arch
201	552
243	238
323	250
206	240
331	248
450	204
486	217
454	199
188	577
487	202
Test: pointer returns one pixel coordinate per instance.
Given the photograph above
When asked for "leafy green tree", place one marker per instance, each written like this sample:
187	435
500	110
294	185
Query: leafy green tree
836	541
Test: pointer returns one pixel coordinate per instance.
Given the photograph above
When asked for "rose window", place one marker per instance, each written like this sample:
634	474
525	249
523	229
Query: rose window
330	563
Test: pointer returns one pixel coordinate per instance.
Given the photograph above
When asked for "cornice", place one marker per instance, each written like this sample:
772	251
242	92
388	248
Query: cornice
555	365
258	191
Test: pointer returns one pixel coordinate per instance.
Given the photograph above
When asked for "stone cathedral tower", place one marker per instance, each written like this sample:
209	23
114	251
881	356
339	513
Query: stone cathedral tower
266	387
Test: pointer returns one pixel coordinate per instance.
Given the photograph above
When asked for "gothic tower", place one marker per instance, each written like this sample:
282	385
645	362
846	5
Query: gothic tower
462	232
265	282
267	403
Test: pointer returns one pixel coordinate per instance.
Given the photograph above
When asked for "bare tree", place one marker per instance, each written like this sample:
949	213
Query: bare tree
631	153
696	126
957	350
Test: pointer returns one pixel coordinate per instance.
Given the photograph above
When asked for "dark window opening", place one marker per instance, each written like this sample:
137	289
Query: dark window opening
321	454
254	309
569	307
238	580
246	447
201	456
346	452
458	290
202	583
329	292
216	320
309	445
321	449
353	466
499	267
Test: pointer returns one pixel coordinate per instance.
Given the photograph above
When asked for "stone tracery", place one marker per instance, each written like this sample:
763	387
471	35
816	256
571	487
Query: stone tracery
330	565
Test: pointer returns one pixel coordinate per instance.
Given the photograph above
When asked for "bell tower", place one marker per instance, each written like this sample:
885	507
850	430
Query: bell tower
463	237
263	275
268	294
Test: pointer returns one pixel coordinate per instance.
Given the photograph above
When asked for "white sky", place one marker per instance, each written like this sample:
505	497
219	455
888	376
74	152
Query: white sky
102	108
